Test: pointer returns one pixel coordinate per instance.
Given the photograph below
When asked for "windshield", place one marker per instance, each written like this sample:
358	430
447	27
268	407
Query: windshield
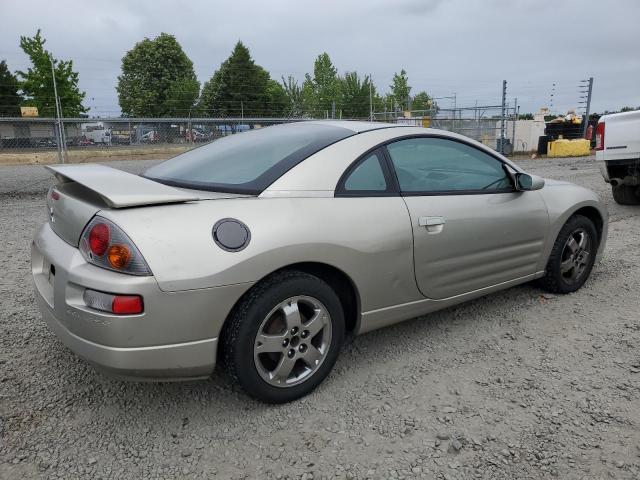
246	162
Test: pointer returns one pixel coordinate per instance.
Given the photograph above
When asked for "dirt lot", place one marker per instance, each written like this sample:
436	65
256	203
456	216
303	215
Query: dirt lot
515	385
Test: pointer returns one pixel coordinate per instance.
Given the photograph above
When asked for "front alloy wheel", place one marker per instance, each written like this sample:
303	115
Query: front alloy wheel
576	256
572	256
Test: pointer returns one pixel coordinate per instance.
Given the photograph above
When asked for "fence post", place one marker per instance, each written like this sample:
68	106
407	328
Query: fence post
502	116
513	131
60	136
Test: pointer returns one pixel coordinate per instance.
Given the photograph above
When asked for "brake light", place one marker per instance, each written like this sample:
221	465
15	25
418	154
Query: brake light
127	304
600	136
99	239
105	245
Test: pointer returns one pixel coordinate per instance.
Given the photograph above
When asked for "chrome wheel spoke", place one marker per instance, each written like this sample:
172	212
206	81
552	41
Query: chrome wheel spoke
583	241
292	314
316	324
283	369
312	357
566	265
270	343
572	245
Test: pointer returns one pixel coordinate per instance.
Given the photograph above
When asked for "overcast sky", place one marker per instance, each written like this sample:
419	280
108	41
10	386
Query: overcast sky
466	47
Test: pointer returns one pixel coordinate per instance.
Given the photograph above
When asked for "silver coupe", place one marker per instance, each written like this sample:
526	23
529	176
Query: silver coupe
263	250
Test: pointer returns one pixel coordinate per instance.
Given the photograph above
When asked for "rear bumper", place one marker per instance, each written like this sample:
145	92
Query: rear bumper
160	362
175	338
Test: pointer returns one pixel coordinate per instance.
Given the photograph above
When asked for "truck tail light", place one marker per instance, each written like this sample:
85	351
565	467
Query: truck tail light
600	136
111	303
105	245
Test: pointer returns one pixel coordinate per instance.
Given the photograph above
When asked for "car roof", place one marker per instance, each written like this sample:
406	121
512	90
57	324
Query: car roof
354	125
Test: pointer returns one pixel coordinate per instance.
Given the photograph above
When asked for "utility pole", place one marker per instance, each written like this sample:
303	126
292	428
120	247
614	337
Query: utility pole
60	135
242	110
585	123
515	119
502	116
370	99
333	109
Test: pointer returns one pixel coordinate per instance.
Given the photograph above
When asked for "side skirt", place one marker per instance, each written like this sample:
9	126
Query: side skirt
383	317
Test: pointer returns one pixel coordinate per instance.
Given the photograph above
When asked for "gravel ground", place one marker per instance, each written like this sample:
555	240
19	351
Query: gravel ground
519	384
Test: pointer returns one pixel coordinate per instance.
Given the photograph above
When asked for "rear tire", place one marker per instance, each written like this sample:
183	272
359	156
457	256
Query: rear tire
284	337
572	256
626	194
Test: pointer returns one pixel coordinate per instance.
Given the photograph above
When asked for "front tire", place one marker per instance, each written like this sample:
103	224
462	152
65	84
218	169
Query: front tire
626	194
572	256
283	338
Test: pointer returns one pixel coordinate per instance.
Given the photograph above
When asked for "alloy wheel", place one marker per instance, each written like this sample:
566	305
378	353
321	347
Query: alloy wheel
576	256
292	341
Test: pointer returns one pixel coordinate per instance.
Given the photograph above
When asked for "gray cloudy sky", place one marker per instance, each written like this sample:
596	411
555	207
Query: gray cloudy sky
446	46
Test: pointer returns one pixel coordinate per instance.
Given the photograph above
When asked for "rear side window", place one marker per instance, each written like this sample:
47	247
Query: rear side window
247	162
367	176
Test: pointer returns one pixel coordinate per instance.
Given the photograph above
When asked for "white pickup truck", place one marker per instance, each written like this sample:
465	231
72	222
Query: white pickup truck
618	150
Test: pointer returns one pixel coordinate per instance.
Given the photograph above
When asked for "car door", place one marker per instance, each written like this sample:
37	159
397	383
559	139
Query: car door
471	228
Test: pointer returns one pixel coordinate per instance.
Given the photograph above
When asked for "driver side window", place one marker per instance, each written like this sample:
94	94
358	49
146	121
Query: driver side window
439	165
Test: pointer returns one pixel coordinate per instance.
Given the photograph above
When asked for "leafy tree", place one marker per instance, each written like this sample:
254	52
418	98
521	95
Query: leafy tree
422	101
37	82
356	95
295	97
400	89
240	86
10	99
322	91
277	100
157	79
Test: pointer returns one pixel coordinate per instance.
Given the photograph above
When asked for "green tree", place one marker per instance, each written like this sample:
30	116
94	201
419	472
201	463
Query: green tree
241	87
422	101
10	98
322	91
400	89
356	95
277	100
295	97
37	82
157	79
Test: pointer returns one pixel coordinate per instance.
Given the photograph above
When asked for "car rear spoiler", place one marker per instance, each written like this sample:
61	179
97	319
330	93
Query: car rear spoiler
119	189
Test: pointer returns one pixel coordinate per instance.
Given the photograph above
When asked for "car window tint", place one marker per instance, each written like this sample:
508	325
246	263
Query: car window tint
367	176
247	162
440	165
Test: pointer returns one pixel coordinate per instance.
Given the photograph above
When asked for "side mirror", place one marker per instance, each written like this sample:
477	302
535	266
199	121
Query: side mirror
526	182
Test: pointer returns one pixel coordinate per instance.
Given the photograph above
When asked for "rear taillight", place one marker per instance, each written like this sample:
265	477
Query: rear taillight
104	244
111	303
99	239
600	136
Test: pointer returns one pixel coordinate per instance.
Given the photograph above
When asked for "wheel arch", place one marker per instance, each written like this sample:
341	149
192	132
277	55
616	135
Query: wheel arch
338	280
594	215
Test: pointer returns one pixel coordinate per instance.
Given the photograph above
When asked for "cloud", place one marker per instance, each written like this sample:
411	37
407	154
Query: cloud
448	46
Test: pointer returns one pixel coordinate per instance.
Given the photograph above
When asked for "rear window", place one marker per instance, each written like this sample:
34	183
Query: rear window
246	162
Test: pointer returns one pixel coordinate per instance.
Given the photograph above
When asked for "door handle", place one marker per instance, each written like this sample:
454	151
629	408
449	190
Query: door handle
430	221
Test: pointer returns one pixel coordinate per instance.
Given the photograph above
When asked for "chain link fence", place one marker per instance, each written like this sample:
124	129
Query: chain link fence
486	124
20	136
29	134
